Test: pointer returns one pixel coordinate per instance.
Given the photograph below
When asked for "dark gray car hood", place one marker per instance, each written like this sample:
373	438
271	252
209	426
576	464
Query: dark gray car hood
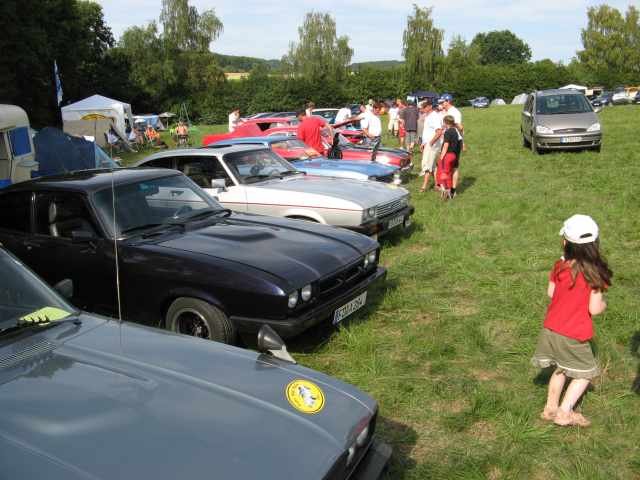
296	252
107	401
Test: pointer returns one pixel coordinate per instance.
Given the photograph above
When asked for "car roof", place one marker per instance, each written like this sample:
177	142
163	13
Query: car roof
249	141
199	152
558	91
90	181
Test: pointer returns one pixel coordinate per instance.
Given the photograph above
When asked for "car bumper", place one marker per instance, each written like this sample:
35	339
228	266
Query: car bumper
373	463
292	326
568	141
384	225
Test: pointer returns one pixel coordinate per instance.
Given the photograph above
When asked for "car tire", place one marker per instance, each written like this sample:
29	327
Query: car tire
534	146
598	149
525	143
191	316
306	219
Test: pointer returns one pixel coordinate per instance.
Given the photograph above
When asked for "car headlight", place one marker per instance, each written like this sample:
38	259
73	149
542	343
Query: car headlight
293	299
368	213
404	201
362	438
306	292
594	128
543	130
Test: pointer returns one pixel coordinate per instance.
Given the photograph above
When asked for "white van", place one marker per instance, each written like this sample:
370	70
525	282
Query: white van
17	155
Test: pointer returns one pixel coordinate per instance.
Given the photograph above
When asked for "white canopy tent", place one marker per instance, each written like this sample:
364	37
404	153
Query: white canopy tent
97	107
519	99
572	86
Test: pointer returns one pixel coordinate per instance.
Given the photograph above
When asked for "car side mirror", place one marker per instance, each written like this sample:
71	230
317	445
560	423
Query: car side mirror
597	109
82	236
270	342
526	113
219	184
64	288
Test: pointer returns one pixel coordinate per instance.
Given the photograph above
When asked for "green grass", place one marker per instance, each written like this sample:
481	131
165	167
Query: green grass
444	346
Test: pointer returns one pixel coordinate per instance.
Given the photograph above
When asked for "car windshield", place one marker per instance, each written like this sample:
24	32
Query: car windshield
256	165
23	296
293	144
152	203
562	104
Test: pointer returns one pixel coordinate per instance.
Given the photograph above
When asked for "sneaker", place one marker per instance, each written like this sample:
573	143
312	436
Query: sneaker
571	419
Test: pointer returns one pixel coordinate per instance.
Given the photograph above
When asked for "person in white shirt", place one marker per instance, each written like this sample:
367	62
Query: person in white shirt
431	143
364	117
234	118
343	114
373	129
393	119
449	109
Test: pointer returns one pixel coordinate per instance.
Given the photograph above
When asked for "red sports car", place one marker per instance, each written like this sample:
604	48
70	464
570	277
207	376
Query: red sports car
253	127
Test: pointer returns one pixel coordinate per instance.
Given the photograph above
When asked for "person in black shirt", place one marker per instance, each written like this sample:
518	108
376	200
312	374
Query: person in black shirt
449	156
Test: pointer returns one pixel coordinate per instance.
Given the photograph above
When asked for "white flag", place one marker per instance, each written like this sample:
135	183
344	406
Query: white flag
58	82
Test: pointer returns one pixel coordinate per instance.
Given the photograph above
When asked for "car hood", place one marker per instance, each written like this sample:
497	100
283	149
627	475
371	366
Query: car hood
106	400
389	150
565	121
363	194
365	168
295	252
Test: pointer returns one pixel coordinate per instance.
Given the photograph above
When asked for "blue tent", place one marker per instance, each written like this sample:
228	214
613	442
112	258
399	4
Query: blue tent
57	152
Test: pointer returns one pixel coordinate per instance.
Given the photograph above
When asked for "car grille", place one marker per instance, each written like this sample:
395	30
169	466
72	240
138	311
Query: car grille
341	281
571	130
389	208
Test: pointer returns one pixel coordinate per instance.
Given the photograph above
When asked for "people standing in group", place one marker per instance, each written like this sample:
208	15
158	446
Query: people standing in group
431	143
409	120
310	107
310	131
450	109
421	116
234	119
373	129
448	161
393	119
343	114
576	286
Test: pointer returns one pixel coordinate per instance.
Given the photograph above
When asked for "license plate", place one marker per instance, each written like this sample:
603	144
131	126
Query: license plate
570	139
394	222
347	309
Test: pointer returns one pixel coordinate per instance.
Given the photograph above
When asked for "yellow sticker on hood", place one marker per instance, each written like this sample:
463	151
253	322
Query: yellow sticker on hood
305	396
50	313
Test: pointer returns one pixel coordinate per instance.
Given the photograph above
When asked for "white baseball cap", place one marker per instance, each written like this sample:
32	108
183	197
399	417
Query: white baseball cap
580	229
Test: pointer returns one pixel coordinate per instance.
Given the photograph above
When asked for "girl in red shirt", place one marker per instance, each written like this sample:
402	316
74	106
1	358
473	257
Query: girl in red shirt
576	285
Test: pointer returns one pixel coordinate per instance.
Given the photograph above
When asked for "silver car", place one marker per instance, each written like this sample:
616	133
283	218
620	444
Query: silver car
254	179
560	120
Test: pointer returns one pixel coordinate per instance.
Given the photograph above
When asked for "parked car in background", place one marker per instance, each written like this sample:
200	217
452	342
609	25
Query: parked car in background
253	128
255	179
602	100
73	381
480	102
328	114
309	161
185	262
636	98
621	96
560	120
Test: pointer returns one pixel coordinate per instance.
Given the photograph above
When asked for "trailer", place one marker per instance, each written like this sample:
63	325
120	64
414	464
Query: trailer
17	153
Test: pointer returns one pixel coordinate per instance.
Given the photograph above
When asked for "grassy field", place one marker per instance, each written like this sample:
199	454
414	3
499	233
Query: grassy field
445	345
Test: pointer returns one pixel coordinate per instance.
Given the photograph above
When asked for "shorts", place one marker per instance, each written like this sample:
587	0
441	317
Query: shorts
429	156
411	136
572	357
445	167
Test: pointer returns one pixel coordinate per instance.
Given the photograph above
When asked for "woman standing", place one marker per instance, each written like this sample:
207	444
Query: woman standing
448	157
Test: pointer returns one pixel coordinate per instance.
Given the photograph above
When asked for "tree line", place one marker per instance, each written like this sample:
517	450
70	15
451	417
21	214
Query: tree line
160	65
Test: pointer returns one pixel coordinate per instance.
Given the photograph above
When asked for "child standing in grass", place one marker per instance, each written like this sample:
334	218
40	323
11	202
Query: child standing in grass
576	285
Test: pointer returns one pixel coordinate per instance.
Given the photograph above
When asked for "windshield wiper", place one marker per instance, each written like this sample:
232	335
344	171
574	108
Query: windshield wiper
290	172
204	212
256	177
40	322
141	227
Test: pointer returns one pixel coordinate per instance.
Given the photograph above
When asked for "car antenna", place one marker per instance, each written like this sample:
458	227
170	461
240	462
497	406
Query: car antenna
115	244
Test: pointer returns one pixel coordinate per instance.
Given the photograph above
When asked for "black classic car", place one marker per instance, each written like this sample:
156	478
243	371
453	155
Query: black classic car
88	397
184	262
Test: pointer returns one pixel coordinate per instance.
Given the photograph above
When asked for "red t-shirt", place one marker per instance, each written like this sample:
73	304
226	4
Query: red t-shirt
309	132
568	313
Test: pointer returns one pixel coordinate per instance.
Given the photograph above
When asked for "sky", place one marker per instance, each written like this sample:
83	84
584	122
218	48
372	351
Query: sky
264	28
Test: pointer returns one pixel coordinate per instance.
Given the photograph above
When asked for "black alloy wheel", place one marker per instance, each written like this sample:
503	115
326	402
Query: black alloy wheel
197	318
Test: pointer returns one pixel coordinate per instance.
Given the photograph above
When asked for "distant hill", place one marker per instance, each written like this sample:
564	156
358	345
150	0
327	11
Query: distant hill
234	63
381	64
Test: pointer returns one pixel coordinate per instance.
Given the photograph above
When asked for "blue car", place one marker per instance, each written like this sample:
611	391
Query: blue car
308	160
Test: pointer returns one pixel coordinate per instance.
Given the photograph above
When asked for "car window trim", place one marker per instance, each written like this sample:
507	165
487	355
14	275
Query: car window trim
100	231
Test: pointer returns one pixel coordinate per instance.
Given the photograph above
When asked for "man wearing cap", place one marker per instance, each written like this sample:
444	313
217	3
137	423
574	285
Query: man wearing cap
431	142
449	109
